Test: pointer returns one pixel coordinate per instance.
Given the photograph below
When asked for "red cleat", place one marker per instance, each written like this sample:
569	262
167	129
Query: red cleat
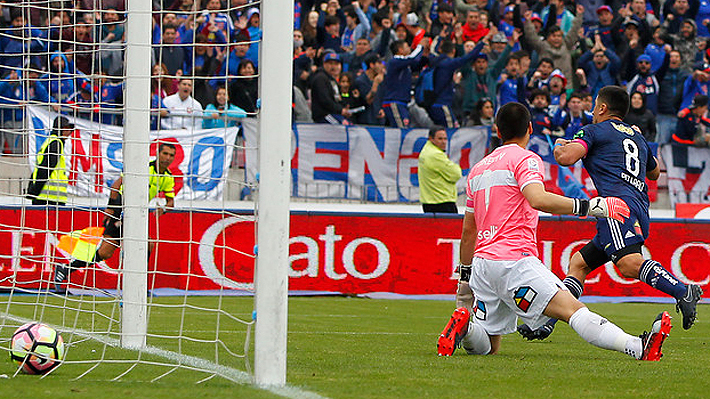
652	341
453	333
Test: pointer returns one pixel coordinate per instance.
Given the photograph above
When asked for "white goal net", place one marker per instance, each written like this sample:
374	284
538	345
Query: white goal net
126	220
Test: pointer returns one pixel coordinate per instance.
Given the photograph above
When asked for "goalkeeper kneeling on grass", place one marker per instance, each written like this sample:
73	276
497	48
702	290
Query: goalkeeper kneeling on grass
160	180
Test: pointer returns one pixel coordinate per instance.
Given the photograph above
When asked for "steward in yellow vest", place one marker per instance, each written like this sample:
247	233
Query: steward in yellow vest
49	179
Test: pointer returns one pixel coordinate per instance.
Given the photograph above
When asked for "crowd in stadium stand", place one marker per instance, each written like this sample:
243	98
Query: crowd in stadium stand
399	63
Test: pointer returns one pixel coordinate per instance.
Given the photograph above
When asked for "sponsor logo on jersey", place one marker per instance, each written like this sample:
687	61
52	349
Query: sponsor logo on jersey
532	165
579	134
623	129
524	297
487	234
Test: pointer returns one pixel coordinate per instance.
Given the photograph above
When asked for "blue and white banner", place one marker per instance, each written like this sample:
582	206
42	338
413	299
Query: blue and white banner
94	156
688	171
364	162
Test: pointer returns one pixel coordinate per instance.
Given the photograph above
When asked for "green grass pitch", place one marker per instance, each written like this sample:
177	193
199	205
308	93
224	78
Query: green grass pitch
364	348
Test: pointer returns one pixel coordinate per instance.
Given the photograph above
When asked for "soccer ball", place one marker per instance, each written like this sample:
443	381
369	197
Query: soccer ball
37	348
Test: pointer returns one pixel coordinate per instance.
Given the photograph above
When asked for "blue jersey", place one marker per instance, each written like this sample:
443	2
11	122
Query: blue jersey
617	160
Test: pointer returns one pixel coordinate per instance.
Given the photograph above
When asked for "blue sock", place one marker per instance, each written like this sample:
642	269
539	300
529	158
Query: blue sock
655	275
575	287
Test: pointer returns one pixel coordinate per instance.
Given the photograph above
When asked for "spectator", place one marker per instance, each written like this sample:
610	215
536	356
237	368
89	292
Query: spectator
600	66
49	179
437	174
498	44
111	47
310	26
82	45
397	83
214	21
656	49
244	90
185	111
329	36
238	53
671	78
645	82
473	29
445	65
558	95
631	48
414	30
697	83
563	16
541	77
217	112
692	124
353	61
557	46
381	35
480	79
169	53
20	41
483	115
702	18
678	13
573	117
641	116
684	42
509	81
543	121
357	26
608	28
368	84
444	21
326	102
161	83
61	80
507	23
349	96
638	9
253	23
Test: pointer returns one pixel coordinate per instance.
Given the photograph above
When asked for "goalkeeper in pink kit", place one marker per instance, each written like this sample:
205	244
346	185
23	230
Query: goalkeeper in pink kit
499	245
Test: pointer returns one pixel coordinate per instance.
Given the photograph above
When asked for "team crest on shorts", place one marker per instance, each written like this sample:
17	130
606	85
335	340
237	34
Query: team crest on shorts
524	296
480	310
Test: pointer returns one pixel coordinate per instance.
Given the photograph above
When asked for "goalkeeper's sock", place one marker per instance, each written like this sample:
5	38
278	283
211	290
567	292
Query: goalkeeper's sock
602	333
476	341
655	275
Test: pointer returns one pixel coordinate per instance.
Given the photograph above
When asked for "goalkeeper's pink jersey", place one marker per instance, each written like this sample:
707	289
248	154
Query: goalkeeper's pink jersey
507	224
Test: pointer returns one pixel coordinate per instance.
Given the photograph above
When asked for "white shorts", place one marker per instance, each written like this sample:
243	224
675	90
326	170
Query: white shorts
505	290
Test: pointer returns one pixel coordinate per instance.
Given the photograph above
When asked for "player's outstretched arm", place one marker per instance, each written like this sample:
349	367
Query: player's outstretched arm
599	207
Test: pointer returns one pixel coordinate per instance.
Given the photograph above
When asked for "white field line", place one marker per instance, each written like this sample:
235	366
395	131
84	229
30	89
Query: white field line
203	365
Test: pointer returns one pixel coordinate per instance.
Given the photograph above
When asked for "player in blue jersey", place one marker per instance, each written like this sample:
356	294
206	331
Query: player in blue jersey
618	160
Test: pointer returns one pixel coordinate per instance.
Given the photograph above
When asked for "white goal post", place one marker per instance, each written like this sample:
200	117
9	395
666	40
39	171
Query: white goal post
271	274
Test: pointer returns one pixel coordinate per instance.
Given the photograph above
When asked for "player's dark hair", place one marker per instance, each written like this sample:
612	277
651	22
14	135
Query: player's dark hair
512	121
434	129
396	45
447	47
331	20
372	58
163	145
616	99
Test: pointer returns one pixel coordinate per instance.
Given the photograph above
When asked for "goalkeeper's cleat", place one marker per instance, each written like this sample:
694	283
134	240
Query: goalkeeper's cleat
687	306
653	341
540	333
453	333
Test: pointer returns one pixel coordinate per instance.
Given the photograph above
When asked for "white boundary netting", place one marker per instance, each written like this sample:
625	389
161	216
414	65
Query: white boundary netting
59	61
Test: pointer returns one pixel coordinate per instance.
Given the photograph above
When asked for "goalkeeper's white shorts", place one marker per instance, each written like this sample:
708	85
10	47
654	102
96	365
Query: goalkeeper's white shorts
506	290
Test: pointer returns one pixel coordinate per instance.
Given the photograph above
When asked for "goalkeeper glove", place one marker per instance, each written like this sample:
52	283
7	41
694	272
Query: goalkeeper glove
601	207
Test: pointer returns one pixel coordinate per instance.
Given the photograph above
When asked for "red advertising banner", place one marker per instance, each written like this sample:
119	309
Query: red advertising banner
342	253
